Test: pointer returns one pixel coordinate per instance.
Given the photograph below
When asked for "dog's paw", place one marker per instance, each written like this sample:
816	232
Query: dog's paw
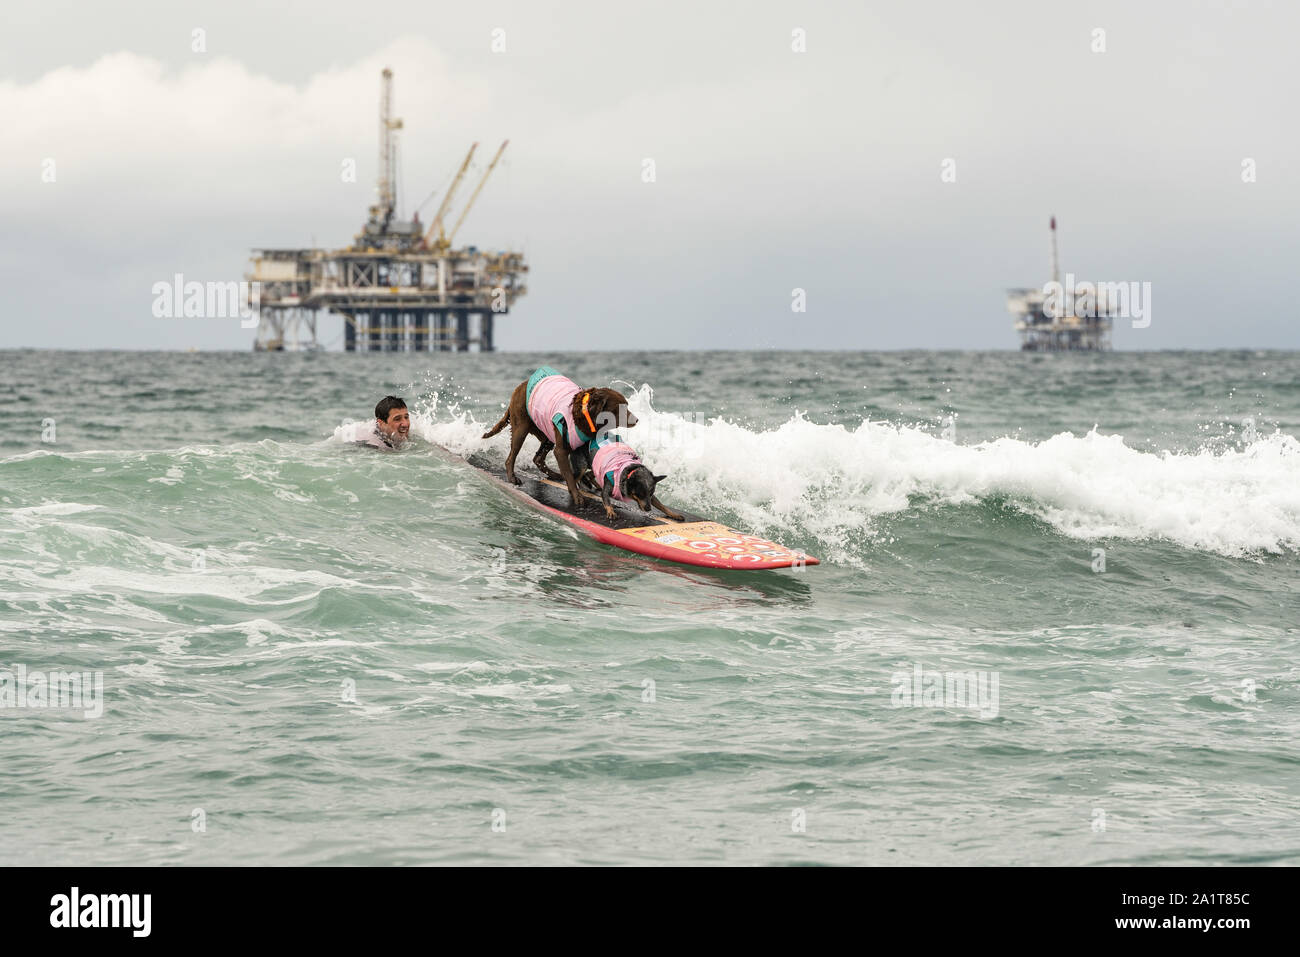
515	479
609	512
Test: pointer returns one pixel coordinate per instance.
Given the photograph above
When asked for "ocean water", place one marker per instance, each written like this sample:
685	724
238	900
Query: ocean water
1057	619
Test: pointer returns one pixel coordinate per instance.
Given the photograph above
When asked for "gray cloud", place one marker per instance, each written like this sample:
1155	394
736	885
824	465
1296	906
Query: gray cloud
775	169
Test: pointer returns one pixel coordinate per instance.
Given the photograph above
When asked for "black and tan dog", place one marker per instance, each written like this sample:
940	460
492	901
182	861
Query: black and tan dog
608	465
562	417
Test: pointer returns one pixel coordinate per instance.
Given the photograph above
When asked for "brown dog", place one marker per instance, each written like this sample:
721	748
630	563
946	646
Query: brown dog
550	407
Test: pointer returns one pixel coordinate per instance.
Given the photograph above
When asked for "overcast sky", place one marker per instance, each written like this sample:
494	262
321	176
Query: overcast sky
775	169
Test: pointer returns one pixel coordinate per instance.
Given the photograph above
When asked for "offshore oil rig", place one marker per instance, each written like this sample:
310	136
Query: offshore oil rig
1052	319
398	287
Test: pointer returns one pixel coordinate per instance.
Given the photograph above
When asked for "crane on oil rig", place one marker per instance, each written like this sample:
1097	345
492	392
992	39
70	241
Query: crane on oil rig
445	239
387	204
436	225
478	189
381	231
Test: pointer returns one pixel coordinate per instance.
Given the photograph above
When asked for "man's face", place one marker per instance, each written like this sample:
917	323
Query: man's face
398	426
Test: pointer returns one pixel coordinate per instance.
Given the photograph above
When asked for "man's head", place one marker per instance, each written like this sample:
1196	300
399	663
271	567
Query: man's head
392	419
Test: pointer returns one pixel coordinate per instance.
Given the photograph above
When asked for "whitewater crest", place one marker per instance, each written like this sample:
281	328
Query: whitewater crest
834	482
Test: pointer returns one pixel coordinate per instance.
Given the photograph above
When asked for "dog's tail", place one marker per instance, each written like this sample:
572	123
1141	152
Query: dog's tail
498	427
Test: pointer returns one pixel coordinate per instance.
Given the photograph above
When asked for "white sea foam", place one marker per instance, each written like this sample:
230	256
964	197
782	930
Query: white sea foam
52	508
245	585
829	479
256	631
834	482
357	431
454	430
515	689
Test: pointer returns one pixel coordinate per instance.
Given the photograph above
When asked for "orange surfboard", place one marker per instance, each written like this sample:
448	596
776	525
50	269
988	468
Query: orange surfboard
693	541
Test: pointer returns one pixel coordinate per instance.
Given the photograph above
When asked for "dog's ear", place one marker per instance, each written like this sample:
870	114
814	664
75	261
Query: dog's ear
659	478
605	401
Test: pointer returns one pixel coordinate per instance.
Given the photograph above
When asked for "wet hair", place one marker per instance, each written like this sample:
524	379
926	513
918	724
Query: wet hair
386	405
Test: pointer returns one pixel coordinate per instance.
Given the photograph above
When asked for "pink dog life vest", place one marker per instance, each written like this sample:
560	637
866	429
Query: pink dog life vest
552	396
616	457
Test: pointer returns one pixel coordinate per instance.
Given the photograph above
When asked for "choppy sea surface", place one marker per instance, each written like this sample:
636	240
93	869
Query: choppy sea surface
1057	619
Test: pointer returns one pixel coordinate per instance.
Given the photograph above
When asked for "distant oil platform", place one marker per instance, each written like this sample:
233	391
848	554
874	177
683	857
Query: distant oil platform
398	287
1057	321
